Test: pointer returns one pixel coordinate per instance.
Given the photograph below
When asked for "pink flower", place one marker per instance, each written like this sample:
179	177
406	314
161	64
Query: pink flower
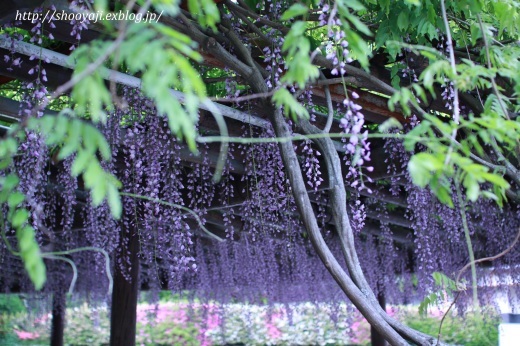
26	335
212	321
273	331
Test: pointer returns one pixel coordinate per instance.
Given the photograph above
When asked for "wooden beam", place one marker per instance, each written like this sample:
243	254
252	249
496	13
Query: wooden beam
9	110
125	79
375	107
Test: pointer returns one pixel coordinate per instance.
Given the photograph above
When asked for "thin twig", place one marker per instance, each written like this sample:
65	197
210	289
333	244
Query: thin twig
462	208
330	107
243	98
456	110
490	258
446	314
178	206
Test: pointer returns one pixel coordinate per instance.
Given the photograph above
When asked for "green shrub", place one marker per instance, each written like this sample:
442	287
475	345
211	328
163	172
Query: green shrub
473	329
11	304
167	333
87	326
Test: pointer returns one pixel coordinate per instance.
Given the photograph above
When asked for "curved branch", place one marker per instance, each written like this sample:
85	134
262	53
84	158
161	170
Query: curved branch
210	45
304	205
249	23
330	108
376	83
124	79
72	265
338	201
88	248
446	314
283	29
235	40
309	220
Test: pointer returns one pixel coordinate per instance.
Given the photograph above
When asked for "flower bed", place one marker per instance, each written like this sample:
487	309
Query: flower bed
181	323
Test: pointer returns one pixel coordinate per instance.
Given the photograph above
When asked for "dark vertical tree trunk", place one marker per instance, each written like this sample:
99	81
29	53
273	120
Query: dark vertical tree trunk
59	302
376	338
124	294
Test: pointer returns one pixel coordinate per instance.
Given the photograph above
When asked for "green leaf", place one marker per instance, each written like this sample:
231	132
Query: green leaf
5	162
442	193
472	187
283	98
37	271
403	20
44	124
354	5
420	175
206	12
428	301
26	239
98	193
396	80
295	10
80	163
359	47
101	5
475	33
496	179
19	218
489	195
358	24
10	182
31	256
15	199
114	201
444	281
413	2
90	138
57	133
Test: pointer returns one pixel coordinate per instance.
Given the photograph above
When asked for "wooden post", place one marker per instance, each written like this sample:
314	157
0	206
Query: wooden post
59	304
124	294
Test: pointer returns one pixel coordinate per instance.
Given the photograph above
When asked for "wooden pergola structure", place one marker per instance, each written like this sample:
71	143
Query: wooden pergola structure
374	106
372	99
